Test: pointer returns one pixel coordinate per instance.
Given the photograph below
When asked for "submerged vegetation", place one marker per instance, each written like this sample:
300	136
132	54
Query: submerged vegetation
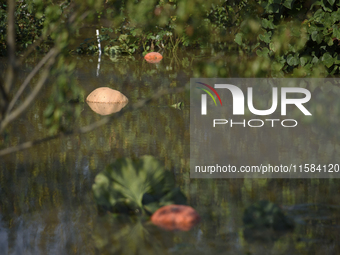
265	214
136	187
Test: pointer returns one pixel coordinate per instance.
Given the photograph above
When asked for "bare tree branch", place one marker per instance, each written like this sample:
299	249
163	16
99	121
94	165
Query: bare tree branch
11	46
4	102
93	126
6	107
15	113
29	78
6	110
26	145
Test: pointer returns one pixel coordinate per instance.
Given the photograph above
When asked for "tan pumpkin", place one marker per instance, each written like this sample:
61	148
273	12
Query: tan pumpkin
106	95
105	100
175	217
105	108
153	57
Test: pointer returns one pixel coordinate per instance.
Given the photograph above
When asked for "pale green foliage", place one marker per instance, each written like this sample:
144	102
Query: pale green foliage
132	186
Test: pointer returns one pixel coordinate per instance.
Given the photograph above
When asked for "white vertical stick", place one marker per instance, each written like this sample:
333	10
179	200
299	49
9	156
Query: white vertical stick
204	104
100	51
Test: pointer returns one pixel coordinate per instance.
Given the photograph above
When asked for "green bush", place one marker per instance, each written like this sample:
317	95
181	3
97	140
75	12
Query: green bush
136	187
295	40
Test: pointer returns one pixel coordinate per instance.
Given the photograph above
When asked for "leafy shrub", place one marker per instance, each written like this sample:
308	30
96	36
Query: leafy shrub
294	39
136	186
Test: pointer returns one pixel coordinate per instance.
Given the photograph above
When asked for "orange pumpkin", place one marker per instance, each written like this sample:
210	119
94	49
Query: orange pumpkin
153	57
175	217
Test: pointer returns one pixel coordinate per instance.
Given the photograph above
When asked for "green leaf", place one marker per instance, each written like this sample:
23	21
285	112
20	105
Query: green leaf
238	38
177	105
315	60
331	2
274	8
288	4
266	37
334	70
292	60
152	207
337	59
327	59
336	32
330	42
303	60
263	53
316	36
319	15
174	196
268	23
336	15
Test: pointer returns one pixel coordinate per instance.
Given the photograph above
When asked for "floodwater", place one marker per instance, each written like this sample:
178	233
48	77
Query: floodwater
46	202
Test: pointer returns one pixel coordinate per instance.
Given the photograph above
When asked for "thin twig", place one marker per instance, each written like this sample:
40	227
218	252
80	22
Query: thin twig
10	76
36	69
14	114
3	92
9	116
93	126
29	78
4	102
26	145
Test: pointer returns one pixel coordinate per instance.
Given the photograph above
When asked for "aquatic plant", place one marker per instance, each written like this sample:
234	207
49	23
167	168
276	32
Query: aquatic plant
139	186
265	214
178	105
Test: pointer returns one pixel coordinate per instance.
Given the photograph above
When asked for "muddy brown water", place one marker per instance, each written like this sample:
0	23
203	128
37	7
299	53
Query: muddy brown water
46	202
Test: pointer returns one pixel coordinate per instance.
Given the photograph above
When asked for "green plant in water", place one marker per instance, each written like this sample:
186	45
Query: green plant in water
138	186
265	214
178	105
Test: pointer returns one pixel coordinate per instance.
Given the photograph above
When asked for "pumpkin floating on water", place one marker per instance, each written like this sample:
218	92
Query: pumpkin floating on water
105	100
106	109
106	95
153	57
175	217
